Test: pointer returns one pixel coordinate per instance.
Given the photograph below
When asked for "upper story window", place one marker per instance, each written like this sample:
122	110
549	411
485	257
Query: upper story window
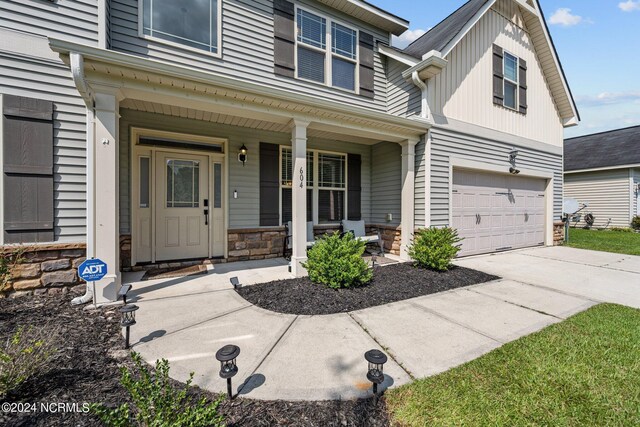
315	61
510	81
194	24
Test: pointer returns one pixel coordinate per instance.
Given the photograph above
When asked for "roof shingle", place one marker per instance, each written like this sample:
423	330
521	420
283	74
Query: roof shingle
601	150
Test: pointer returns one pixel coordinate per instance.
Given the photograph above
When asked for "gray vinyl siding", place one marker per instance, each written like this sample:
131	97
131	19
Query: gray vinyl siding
243	211
73	20
386	181
447	143
403	97
608	194
247	48
29	68
419	194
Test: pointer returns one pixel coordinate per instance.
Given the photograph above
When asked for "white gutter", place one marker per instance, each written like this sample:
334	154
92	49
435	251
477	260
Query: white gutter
77	72
425	111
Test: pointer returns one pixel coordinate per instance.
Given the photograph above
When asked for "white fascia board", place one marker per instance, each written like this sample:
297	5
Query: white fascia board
527	7
433	59
603	169
394	24
181	72
396	55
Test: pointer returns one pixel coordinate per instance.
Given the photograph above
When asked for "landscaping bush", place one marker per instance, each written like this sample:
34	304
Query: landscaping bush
156	403
25	354
635	222
434	248
336	261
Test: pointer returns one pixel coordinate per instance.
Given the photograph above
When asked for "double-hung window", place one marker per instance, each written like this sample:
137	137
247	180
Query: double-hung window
326	186
326	51
510	81
194	24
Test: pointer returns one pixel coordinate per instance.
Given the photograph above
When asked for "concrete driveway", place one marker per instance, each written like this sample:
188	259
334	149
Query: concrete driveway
321	357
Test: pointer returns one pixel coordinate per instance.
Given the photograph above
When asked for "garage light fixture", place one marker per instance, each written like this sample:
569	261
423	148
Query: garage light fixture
513	155
375	372
228	368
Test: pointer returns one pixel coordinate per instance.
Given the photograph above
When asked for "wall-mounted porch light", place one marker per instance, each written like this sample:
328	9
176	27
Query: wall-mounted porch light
242	154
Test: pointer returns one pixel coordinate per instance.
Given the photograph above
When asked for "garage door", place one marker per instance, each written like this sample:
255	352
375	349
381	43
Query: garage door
495	212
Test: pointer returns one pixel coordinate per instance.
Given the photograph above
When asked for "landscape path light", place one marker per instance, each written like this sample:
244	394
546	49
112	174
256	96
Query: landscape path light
128	313
228	368
375	372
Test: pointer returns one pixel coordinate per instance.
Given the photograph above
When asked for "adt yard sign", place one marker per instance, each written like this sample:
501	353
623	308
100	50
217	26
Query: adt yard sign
92	269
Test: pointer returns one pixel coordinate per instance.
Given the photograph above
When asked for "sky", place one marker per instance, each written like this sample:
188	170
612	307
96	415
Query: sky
598	42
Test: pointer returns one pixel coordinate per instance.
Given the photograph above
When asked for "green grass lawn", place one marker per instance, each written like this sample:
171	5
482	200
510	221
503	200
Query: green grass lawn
583	371
606	241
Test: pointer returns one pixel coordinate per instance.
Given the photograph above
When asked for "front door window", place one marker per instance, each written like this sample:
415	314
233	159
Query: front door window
183	184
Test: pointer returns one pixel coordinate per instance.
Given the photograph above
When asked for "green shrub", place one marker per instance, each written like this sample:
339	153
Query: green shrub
434	248
25	354
156	403
336	261
635	222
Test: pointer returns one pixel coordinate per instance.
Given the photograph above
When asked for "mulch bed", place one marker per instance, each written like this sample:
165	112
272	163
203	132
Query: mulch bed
390	284
86	369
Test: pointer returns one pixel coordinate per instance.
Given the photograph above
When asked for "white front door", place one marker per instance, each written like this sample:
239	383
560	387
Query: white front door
182	192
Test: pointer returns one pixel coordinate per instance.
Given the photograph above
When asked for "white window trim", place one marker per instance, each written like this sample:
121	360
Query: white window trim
142	35
505	80
315	187
328	51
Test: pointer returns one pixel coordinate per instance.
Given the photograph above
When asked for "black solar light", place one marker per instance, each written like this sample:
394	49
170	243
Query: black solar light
375	373
122	293
128	313
228	369
374	258
235	282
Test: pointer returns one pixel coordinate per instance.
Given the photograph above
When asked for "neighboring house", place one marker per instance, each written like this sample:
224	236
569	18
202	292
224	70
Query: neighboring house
125	123
603	170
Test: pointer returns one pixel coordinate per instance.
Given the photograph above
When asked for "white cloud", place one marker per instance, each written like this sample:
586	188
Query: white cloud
608	98
629	5
564	17
406	38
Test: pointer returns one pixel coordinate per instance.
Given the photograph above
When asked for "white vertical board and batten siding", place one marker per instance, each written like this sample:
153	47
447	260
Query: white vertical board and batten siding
247	48
607	193
245	210
463	90
29	68
447	144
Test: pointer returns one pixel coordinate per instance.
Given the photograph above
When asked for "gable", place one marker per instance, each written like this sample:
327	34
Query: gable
463	90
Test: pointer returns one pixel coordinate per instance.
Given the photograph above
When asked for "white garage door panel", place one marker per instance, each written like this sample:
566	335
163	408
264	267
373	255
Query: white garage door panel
495	212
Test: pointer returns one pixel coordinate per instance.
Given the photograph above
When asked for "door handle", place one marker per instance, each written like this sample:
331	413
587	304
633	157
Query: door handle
206	211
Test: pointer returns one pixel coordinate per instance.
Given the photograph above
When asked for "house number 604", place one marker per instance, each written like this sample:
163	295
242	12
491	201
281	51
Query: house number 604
301	178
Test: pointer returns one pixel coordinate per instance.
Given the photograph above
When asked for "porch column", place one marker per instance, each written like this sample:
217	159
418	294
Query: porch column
407	210
102	196
299	197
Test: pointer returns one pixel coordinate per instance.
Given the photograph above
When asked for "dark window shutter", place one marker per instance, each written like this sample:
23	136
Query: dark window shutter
354	187
366	65
269	184
523	85
28	169
284	38
498	76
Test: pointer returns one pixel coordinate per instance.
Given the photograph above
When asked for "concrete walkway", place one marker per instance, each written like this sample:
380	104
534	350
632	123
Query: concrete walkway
321	357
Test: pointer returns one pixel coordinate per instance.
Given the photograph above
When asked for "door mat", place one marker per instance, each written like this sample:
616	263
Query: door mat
167	273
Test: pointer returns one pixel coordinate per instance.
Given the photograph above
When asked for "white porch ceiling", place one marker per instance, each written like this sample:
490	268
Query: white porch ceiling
233	120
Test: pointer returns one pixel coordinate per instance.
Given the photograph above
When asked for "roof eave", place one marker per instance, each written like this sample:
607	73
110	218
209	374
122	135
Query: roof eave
371	14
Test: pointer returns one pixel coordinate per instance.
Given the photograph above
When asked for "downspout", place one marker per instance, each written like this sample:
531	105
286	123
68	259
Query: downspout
77	71
425	112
